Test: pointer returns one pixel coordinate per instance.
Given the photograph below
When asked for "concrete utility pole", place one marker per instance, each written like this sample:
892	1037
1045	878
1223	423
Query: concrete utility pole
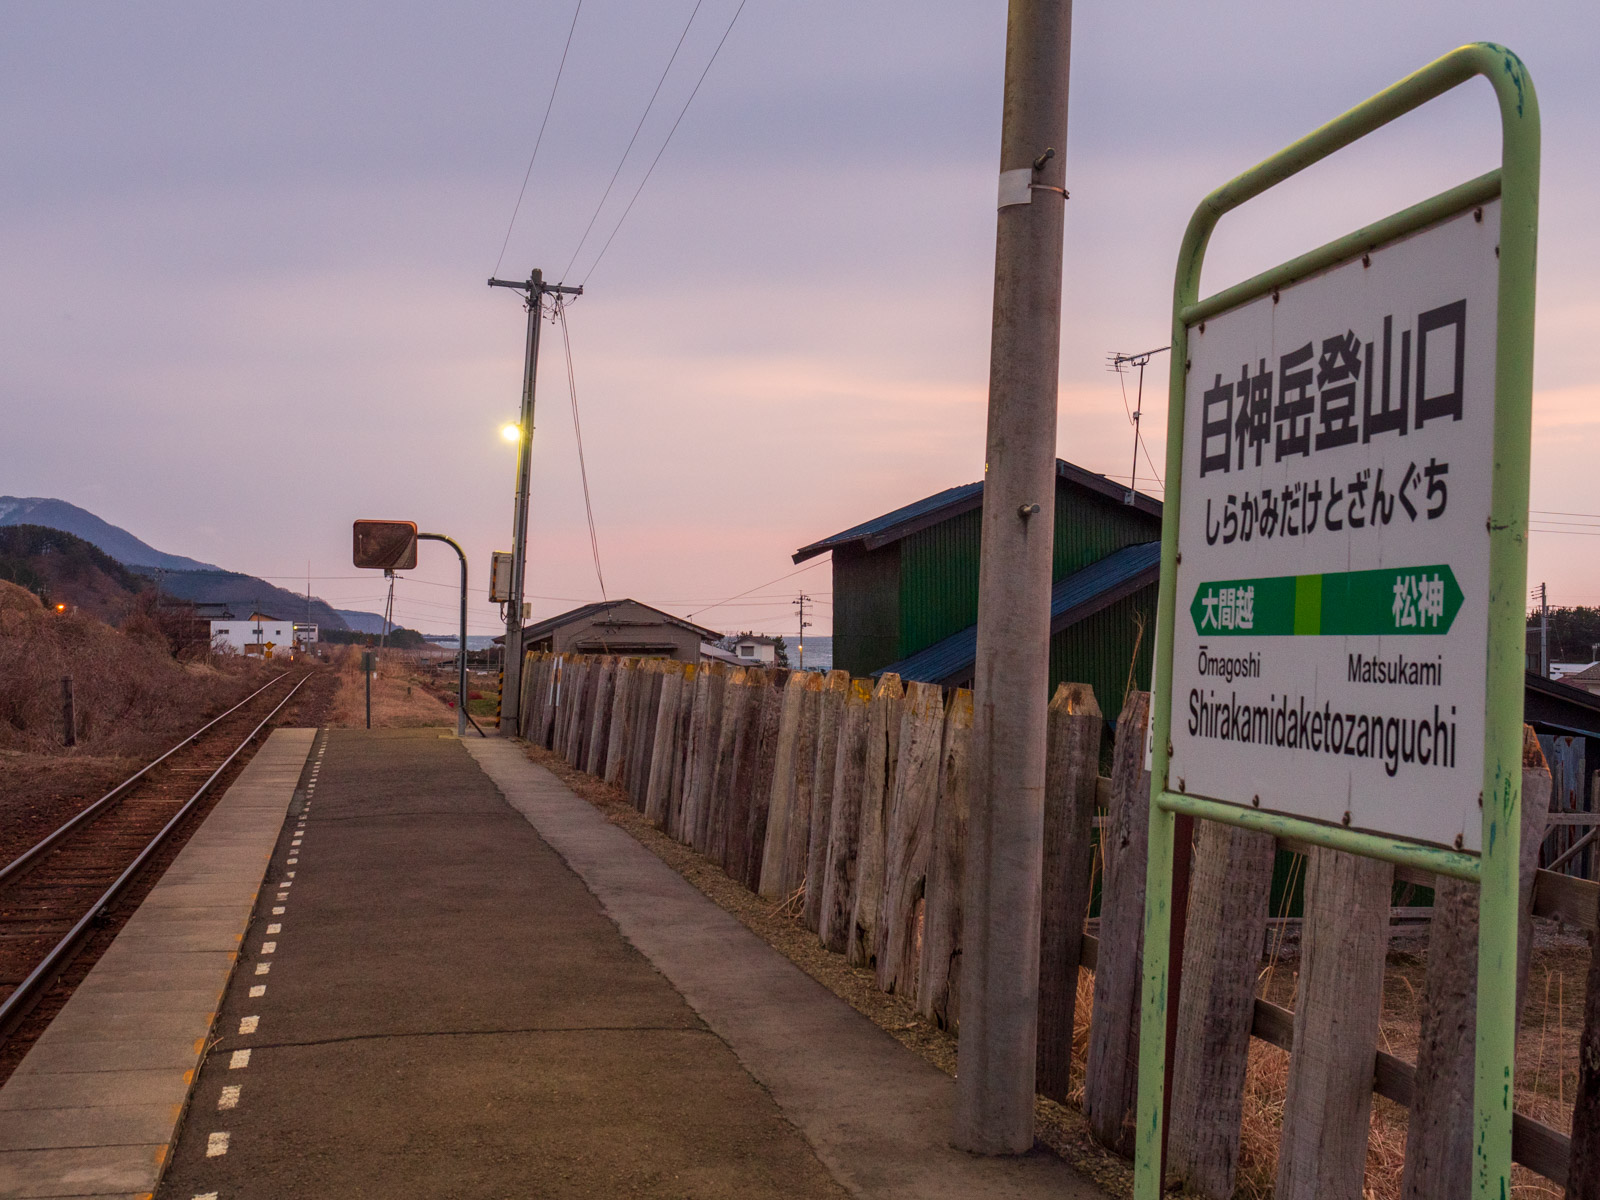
1000	940
534	289
1544	632
800	641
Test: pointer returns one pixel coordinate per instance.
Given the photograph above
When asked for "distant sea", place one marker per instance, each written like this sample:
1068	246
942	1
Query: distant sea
475	641
819	650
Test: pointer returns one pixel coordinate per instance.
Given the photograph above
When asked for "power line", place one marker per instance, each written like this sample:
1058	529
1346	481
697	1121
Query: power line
577	429
528	174
666	143
620	162
759	586
1140	360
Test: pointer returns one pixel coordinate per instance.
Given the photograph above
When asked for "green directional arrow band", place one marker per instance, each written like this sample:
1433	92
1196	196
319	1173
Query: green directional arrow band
1394	601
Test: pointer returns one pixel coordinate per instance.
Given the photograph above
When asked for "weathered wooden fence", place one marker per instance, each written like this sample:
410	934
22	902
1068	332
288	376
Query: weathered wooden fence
846	799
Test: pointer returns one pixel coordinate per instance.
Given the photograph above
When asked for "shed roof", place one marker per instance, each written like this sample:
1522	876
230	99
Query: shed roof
941	506
1074	597
583	612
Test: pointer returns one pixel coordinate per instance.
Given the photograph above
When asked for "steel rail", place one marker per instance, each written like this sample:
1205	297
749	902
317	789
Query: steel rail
21	1001
28	856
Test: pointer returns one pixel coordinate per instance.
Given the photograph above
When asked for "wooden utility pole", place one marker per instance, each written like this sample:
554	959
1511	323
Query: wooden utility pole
69	723
800	641
1000	938
534	289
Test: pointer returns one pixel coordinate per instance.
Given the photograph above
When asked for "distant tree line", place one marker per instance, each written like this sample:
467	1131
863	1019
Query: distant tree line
1574	634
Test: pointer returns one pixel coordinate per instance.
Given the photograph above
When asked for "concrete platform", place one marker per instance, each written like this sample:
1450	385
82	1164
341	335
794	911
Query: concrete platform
877	1115
471	998
93	1109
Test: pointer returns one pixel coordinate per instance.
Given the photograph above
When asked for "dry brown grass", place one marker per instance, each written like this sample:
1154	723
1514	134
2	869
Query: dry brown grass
128	691
1546	1049
400	695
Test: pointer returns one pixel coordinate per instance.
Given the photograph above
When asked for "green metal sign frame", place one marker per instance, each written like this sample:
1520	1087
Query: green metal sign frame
1495	870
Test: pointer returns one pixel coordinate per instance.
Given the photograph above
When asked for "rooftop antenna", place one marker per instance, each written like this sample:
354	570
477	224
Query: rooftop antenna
1116	363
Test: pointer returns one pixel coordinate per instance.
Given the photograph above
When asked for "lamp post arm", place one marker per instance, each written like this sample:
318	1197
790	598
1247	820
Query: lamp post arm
461	656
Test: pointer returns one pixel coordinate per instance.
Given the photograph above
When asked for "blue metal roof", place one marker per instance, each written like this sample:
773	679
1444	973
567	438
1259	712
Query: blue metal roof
1073	598
894	524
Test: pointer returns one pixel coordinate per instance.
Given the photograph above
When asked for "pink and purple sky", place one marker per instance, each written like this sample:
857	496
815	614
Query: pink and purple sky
243	256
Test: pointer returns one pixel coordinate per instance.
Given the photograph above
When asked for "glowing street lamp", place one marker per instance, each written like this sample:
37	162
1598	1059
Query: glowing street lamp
511	431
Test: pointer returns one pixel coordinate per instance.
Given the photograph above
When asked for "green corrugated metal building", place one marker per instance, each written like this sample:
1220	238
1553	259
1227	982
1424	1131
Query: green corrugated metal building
905	587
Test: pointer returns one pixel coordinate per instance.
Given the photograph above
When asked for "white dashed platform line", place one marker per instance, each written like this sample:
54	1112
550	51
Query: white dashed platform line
263	968
238	1060
278	912
258	991
205	1196
230	1097
216	1145
249	1024
274	928
292	861
268	947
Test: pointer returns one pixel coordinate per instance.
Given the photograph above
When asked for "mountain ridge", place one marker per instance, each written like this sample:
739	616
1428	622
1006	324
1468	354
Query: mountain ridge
114	540
180	577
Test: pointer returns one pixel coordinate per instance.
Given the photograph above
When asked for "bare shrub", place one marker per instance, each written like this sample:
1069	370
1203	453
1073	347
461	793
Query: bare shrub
126	684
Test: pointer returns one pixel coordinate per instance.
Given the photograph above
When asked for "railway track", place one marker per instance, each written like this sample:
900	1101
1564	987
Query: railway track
57	896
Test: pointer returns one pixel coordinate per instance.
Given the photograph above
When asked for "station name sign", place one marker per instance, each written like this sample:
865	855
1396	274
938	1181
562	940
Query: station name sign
1329	646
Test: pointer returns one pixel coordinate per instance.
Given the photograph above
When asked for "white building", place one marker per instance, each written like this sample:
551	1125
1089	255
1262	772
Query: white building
752	648
255	634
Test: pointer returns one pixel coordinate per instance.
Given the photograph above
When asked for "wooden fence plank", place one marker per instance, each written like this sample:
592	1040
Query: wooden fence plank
1323	1151
641	731
844	833
1536	791
705	729
797	844
571	685
908	841
742	782
528	690
593	671
645	731
582	699
665	753
785	779
541	730
735	708
883	754
762	767
530	695
680	753
830	716
1072	765
1583	1174
556	706
1438	1162
1229	892
1110	1086
594	758
939	978
621	710
638	690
